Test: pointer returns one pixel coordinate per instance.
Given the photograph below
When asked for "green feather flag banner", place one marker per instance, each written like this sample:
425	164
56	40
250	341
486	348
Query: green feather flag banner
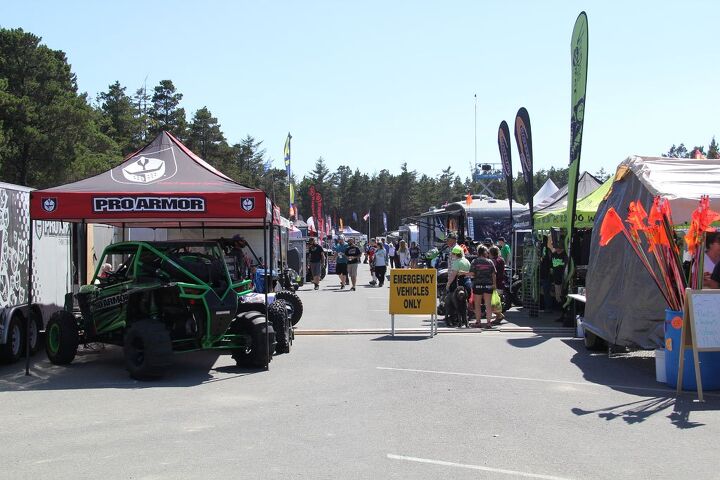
579	58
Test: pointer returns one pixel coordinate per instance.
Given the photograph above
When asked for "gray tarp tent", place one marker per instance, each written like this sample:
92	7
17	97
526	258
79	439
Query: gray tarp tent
586	185
623	304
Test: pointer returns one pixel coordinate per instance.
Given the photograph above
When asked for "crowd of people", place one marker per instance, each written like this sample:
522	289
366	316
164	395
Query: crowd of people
478	267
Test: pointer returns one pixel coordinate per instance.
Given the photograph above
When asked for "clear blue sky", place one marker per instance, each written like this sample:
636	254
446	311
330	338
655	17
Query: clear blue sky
374	84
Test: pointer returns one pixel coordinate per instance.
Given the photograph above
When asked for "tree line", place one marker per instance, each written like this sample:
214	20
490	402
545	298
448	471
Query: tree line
50	134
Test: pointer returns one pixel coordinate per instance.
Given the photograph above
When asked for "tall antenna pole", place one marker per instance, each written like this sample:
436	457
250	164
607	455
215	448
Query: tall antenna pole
475	130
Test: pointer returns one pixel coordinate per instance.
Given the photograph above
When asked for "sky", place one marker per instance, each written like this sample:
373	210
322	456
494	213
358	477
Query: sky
375	84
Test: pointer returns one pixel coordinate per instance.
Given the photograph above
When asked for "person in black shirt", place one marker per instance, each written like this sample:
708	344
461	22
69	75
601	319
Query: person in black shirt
317	258
559	260
484	283
544	273
353	254
713	281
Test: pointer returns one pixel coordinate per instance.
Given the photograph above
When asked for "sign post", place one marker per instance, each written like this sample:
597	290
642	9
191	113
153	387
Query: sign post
702	321
413	292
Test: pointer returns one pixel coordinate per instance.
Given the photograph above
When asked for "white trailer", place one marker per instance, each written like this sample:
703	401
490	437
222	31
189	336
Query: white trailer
52	271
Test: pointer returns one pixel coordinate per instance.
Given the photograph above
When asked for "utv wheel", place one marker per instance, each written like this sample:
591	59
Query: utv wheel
12	350
258	355
61	337
148	349
295	306
594	343
278	316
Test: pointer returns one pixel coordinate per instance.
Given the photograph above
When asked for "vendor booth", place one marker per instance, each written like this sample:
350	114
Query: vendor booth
623	306
163	186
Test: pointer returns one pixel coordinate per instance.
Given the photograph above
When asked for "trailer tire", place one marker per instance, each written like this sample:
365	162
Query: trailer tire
61	338
594	343
147	347
13	349
35	327
258	356
294	304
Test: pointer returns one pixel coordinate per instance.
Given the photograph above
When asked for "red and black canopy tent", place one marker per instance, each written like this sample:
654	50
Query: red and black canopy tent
163	185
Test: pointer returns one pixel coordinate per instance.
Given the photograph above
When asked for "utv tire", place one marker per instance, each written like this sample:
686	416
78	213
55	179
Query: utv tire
295	306
278	317
61	337
594	343
148	349
258	355
13	349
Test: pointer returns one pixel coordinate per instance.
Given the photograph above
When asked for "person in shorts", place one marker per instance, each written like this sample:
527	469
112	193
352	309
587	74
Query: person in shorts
341	260
483	274
317	258
353	254
497	259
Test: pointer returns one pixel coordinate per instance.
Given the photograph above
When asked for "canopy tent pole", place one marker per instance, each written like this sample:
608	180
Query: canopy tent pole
265	281
29	316
82	253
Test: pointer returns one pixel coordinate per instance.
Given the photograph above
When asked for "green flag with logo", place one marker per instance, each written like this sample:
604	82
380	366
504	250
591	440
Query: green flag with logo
579	58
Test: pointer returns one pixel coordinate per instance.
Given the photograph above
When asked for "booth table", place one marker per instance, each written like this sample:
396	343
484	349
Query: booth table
576	297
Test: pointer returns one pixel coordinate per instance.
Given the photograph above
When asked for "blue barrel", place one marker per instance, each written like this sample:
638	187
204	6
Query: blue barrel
709	361
259	281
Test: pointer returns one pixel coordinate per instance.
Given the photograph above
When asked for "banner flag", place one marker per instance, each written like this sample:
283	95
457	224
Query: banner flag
313	202
385	221
366	216
355	217
286	154
506	159
341	224
523	138
579	58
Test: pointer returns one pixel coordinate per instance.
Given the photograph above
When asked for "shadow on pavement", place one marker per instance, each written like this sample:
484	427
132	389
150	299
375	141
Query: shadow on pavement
401	338
104	367
635	375
528	342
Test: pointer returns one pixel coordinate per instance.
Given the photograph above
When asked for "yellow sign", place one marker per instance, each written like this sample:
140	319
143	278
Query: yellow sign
413	291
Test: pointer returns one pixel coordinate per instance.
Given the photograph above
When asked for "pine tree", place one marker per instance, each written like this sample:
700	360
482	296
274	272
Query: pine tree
121	124
165	115
205	137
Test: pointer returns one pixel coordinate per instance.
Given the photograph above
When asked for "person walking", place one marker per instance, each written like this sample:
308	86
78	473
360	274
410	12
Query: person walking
391	254
381	258
499	262
483	275
341	261
371	260
317	258
403	253
414	254
353	254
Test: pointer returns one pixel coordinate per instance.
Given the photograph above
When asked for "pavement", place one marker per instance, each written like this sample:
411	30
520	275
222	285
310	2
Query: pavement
329	306
491	405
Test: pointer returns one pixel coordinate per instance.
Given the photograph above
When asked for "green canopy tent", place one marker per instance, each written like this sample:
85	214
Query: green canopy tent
584	211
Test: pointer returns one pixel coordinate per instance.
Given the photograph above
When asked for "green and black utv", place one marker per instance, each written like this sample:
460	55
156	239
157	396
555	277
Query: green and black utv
166	297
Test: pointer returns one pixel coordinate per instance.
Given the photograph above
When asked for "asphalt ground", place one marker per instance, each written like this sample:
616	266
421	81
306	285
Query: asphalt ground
491	405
